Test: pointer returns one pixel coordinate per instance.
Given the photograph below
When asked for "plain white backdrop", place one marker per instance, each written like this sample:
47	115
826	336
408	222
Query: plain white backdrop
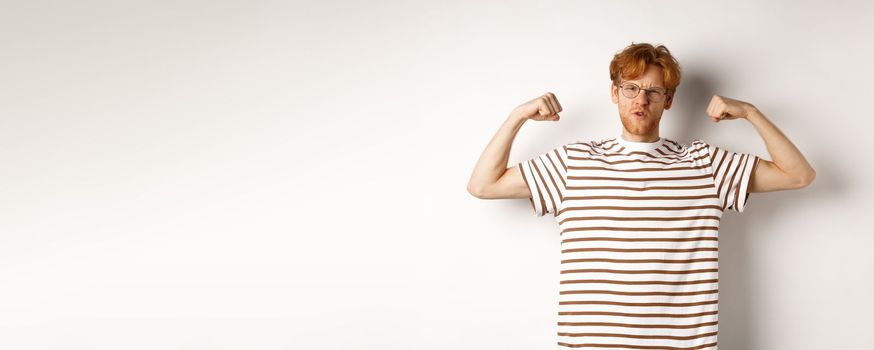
291	175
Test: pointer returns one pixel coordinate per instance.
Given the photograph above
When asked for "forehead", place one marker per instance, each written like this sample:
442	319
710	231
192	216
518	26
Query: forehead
651	78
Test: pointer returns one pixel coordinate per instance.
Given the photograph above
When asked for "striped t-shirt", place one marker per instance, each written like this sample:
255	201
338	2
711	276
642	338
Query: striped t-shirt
639	238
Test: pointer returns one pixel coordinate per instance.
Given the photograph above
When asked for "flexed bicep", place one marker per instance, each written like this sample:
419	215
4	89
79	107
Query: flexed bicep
510	185
768	177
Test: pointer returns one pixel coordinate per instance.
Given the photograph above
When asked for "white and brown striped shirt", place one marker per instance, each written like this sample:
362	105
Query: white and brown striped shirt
639	227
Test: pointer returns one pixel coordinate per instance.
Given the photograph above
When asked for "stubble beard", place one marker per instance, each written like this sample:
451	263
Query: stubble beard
641	128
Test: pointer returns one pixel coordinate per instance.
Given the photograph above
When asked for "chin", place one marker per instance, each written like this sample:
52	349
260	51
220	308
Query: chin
641	128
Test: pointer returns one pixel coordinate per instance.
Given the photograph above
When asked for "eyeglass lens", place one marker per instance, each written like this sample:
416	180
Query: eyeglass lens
632	90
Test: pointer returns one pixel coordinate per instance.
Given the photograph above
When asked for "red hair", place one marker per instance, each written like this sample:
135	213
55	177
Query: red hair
632	61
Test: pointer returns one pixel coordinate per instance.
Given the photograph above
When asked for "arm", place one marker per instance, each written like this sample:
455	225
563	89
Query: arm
491	178
788	170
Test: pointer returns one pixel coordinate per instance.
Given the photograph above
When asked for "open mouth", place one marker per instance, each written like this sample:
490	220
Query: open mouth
639	114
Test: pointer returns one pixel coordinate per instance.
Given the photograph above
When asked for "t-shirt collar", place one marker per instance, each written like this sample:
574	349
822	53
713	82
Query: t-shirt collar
639	146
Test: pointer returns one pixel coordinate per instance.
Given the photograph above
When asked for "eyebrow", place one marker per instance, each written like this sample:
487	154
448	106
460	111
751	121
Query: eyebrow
638	84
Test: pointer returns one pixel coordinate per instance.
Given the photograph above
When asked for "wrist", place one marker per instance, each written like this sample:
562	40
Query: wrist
751	112
515	118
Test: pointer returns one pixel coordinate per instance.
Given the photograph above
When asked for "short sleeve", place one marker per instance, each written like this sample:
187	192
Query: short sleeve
546	178
732	173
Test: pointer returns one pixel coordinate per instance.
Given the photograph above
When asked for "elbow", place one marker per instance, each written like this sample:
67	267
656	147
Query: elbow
806	179
475	190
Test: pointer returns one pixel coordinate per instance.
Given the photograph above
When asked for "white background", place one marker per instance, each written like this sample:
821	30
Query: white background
291	175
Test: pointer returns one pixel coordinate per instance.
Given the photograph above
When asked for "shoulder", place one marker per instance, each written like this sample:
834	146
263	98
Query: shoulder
598	145
699	146
583	145
697	149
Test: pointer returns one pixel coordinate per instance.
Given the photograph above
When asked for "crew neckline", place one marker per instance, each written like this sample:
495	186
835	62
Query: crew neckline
639	146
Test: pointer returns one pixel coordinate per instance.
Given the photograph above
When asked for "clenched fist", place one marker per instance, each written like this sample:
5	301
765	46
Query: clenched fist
726	108
545	107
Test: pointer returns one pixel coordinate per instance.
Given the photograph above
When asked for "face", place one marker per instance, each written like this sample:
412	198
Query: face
640	116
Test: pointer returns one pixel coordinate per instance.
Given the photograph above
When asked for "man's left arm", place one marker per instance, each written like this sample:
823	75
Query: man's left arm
788	170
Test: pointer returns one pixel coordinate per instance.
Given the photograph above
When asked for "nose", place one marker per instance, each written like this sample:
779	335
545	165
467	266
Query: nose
642	98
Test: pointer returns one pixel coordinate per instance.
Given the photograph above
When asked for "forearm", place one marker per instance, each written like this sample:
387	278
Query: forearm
783	153
492	162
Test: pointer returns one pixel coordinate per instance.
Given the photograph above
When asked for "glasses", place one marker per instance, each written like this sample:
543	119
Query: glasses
631	90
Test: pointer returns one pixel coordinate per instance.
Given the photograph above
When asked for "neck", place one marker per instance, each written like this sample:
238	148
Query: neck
653	137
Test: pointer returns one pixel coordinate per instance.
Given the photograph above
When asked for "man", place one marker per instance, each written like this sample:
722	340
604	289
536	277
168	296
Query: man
639	214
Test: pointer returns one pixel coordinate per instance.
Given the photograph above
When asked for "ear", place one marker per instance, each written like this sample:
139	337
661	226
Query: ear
614	93
669	100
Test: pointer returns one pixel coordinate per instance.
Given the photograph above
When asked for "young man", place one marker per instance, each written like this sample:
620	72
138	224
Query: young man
639	214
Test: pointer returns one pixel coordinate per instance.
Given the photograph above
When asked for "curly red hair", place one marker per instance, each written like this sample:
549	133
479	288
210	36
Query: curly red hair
632	61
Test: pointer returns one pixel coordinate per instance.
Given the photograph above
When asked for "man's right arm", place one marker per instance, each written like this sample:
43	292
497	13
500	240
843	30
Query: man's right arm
491	178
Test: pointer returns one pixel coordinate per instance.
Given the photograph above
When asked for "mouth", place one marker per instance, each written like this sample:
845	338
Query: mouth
639	114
